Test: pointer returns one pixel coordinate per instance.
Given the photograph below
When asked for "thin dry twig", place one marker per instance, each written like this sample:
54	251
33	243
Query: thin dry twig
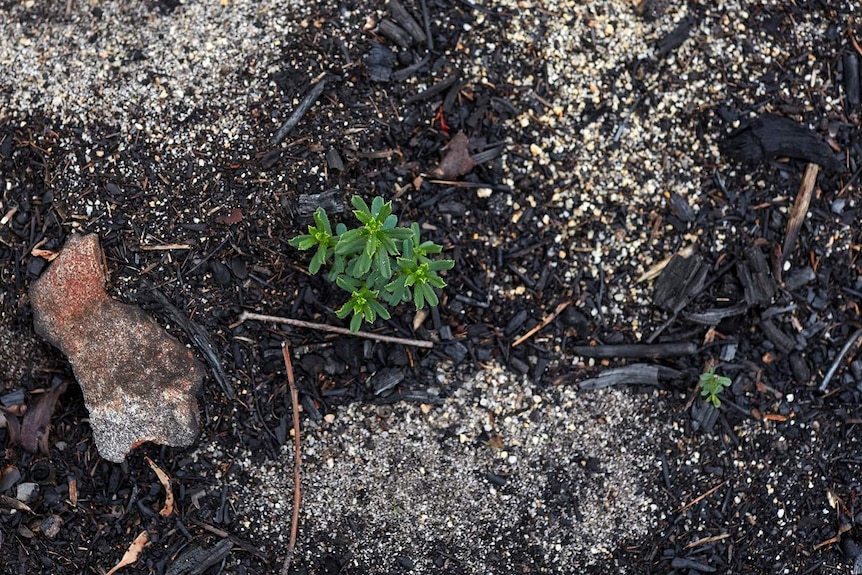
247	315
297	460
700	498
545	322
800	208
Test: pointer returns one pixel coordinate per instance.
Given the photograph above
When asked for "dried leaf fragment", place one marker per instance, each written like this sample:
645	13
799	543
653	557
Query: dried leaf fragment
457	160
131	555
166	483
37	421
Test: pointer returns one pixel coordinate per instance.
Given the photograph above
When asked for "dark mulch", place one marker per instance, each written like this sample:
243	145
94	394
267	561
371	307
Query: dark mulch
775	334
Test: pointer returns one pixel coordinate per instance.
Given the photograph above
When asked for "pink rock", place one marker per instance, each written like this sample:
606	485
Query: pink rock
139	382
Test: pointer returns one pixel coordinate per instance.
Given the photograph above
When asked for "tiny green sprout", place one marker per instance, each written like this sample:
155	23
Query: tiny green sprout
376	261
711	386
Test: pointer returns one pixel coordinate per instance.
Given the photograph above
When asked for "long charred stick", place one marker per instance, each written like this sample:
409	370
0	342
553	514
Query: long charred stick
297	460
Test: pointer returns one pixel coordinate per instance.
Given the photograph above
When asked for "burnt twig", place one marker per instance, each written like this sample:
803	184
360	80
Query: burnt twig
850	342
247	315
300	111
297	460
636	350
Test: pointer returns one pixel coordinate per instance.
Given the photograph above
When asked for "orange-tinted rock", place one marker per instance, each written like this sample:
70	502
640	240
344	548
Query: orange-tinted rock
139	382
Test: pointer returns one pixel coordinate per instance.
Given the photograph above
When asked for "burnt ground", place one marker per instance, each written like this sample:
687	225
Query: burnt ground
594	173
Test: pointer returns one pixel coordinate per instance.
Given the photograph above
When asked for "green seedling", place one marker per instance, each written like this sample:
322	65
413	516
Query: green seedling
711	386
374	262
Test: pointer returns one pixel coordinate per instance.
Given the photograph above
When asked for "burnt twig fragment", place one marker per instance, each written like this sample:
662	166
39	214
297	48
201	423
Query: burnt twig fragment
636	350
715	316
303	108
437	88
851	80
839	358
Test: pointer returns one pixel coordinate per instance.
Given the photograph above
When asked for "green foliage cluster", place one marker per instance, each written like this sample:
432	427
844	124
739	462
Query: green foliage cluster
711	386
376	262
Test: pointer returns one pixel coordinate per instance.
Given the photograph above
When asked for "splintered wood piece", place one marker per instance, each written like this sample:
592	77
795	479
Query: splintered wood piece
756	279
680	281
800	208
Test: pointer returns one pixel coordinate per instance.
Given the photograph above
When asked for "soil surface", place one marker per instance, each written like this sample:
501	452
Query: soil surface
649	190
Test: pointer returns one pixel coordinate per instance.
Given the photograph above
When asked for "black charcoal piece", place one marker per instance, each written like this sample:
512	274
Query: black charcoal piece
330	201
403	17
386	379
851	79
756	279
635	374
673	40
681	280
394	32
333	160
769	136
777	336
379	62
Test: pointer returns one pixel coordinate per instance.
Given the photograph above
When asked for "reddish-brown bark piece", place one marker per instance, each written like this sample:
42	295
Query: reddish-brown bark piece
139	383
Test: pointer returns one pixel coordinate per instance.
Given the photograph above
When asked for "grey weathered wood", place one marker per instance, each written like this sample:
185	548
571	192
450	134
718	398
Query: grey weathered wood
681	280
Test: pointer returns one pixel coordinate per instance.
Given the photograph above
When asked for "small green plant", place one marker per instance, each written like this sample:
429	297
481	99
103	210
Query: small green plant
711	386
377	261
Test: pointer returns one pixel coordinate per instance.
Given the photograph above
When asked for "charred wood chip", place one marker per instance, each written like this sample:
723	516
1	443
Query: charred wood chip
394	32
519	365
757	281
715	316
196	560
221	273
516	322
799	278
310	407
769	136
799	366
703	416
675	38
406	20
330	200
777	336
405	73
379	62
456	351
635	374
429	93
681	208
270	159
386	379
851	80
333	160
681	280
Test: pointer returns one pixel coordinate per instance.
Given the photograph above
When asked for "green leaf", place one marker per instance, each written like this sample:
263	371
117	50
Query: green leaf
356	323
418	298
376	205
430	296
439	265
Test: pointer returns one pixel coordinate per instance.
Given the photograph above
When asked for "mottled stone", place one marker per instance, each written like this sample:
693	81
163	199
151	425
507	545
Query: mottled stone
139	382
